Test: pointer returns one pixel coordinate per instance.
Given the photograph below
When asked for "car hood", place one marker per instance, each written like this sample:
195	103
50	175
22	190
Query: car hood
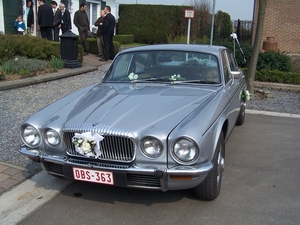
133	107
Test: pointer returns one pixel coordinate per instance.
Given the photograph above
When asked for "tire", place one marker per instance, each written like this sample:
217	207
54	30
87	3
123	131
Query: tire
210	188
241	117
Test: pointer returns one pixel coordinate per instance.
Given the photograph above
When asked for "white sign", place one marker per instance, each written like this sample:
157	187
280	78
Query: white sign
189	13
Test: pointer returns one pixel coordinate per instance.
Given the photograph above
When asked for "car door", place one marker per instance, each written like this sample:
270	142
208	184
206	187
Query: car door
232	86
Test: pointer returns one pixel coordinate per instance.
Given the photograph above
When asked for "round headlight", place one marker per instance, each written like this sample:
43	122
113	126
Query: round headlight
152	147
31	136
52	137
185	151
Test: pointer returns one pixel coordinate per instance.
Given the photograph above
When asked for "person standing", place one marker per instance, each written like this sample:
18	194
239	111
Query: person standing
65	18
20	25
56	21
45	20
107	32
82	23
99	23
29	17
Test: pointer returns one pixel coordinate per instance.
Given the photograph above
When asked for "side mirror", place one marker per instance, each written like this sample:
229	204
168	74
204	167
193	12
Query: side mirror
236	74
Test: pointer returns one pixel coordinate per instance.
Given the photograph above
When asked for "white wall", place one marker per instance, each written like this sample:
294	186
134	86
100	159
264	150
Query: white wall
1	17
73	9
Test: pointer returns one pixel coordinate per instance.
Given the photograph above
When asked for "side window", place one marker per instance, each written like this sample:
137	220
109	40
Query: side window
232	62
122	66
226	68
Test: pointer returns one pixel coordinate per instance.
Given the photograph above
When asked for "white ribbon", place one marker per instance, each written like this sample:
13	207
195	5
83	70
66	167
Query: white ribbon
234	36
90	137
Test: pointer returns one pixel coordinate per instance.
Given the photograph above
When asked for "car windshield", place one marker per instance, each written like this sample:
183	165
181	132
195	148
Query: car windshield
165	66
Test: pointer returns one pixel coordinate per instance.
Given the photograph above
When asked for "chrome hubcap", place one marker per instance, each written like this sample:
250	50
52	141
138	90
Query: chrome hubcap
221	166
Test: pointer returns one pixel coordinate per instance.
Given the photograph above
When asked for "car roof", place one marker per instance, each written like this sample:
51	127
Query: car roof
213	49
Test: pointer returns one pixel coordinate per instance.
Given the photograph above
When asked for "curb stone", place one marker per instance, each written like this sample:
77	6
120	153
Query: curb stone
44	78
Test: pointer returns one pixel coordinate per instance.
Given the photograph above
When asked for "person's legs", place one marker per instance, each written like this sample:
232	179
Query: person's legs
49	33
43	31
56	34
84	35
99	45
106	46
111	48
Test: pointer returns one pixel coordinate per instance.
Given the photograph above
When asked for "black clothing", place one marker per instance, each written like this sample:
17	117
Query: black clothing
107	32
30	17
56	23
45	21
66	21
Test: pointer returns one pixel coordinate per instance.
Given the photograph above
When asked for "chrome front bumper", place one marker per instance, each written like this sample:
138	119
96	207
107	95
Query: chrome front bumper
164	176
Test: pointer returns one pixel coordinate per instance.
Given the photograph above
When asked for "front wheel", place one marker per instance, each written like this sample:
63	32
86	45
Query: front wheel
210	188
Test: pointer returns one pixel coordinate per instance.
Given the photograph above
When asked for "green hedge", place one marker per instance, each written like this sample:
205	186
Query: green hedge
31	47
152	23
275	76
92	42
124	39
27	45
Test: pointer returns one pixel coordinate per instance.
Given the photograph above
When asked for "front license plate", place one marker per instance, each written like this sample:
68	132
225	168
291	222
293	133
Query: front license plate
95	176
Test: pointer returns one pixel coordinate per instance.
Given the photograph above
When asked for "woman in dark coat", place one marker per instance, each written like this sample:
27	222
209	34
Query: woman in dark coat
29	16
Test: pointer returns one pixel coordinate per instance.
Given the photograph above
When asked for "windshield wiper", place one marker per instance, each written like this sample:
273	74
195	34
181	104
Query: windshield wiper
194	82
150	80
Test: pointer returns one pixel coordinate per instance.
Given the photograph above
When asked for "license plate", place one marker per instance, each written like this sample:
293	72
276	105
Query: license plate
95	176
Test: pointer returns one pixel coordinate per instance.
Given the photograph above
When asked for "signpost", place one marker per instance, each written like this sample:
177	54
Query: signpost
188	13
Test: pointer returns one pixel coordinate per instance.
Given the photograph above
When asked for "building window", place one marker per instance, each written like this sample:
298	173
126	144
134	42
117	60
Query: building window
93	12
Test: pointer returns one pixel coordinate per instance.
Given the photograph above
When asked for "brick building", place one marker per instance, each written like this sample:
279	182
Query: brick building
282	21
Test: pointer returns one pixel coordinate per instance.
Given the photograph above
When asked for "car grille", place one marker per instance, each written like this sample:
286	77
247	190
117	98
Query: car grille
54	168
116	146
133	180
138	180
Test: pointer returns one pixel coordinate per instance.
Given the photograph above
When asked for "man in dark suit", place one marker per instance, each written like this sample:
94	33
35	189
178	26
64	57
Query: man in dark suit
107	32
56	21
65	18
45	20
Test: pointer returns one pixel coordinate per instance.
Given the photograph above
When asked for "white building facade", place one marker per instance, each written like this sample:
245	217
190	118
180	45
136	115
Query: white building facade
9	11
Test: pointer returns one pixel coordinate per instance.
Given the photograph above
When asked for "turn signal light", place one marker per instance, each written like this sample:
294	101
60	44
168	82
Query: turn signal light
181	177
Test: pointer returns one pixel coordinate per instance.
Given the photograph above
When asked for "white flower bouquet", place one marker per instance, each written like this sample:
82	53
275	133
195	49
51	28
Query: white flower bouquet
176	77
87	144
133	76
245	95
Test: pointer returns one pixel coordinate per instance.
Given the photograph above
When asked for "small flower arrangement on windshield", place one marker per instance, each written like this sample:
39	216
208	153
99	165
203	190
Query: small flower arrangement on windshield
133	76
176	77
87	144
245	95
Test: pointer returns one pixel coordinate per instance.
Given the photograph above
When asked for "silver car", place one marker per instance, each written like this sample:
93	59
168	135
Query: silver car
158	120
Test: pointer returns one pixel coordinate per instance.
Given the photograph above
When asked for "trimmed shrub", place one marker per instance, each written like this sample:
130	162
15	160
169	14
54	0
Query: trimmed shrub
274	60
124	39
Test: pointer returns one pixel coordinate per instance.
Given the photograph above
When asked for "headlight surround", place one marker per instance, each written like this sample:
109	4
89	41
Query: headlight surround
151	147
31	136
185	151
52	137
